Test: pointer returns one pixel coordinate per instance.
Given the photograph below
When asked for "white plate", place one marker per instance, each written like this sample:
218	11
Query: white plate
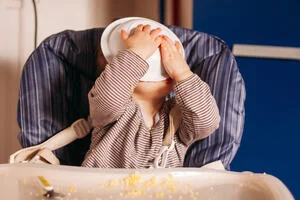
111	44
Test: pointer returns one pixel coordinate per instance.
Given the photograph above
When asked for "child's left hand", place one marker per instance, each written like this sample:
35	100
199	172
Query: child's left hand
173	60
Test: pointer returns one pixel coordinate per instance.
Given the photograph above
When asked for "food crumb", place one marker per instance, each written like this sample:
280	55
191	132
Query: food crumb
132	180
159	194
111	184
170	184
24	181
150	183
135	192
72	189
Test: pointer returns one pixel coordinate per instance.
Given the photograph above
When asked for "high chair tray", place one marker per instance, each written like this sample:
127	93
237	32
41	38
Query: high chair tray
19	181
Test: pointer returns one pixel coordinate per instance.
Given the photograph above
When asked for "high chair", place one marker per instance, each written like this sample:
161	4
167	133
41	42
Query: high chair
59	74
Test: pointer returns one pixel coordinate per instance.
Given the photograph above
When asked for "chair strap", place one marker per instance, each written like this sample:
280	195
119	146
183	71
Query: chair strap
77	130
168	142
45	156
174	121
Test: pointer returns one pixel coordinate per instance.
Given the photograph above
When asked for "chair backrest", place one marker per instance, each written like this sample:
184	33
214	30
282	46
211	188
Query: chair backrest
60	72
210	58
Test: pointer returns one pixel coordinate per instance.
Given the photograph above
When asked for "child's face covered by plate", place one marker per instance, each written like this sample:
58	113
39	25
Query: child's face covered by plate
111	44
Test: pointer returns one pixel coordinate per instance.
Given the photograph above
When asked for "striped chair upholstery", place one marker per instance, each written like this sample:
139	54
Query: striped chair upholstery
59	74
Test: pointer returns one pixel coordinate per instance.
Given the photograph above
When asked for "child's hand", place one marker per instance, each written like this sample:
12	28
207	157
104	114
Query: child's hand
173	60
143	41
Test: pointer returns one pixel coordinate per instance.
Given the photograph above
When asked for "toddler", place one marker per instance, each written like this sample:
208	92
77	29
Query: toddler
131	117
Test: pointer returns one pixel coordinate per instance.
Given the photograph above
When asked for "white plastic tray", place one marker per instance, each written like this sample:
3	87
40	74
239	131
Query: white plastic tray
18	181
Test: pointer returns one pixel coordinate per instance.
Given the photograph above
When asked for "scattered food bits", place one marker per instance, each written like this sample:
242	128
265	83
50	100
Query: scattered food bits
159	194
72	189
135	192
90	191
150	183
111	184
170	185
132	180
133	186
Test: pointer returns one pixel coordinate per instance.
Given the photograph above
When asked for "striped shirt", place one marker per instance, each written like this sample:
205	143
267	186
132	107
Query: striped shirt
120	138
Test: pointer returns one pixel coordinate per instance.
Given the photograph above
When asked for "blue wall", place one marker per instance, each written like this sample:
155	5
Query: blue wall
271	139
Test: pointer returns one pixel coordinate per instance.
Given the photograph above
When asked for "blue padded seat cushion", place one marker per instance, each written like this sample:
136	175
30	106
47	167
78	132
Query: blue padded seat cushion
59	74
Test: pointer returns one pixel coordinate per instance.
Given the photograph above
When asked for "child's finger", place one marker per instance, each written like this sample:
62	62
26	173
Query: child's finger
170	43
165	56
139	27
168	40
179	48
164	50
124	35
158	40
147	28
155	32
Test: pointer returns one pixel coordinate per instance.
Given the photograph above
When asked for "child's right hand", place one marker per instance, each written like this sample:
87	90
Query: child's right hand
143	41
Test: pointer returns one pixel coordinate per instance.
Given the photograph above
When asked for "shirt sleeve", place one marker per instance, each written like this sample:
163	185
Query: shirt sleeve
113	88
199	111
